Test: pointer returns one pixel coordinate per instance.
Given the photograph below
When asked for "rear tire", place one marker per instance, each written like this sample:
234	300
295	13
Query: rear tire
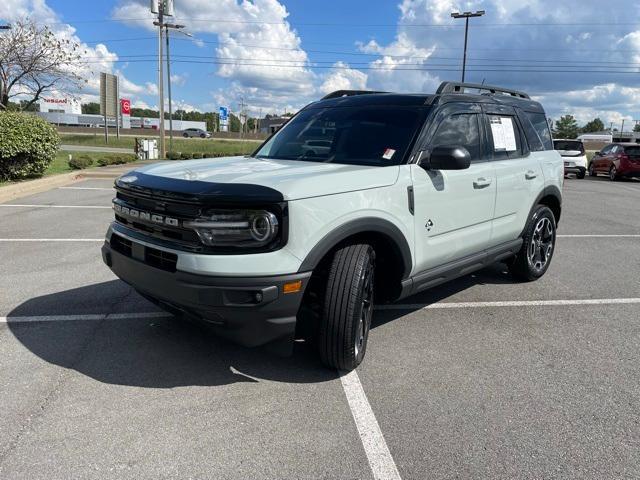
348	307
185	135
580	174
592	170
613	173
539	241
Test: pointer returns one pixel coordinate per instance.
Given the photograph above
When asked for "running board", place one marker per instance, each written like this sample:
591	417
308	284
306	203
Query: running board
458	268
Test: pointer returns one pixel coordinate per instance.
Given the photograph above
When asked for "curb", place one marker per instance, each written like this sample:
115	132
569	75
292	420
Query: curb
22	189
31	187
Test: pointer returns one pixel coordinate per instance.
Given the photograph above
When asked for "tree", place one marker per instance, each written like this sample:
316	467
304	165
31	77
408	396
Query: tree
594	125
91	108
637	127
33	61
566	127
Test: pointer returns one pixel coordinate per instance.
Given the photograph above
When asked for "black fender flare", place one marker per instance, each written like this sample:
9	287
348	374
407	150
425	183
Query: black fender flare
354	227
549	191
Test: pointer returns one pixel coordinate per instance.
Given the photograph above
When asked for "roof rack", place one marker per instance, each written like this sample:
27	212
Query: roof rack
348	93
458	87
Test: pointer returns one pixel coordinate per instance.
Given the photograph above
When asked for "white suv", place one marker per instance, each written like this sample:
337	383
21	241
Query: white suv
412	191
573	155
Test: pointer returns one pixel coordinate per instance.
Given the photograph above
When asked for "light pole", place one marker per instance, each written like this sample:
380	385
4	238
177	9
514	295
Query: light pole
466	16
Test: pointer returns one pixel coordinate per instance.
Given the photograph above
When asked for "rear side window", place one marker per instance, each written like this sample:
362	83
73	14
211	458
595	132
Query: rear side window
632	151
461	129
539	122
505	135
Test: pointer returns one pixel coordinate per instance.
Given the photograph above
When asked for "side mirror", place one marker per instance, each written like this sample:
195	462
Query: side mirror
445	158
597	154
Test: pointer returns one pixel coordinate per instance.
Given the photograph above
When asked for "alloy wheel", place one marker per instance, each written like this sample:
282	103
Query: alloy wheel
541	245
366	310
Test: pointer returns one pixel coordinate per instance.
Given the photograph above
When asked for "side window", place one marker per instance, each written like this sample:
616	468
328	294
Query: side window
505	135
461	129
539	122
530	133
606	150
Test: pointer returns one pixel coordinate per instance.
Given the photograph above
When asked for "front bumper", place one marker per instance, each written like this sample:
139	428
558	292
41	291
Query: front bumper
251	311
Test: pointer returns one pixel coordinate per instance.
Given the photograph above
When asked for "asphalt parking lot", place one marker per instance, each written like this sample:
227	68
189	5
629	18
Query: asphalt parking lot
479	378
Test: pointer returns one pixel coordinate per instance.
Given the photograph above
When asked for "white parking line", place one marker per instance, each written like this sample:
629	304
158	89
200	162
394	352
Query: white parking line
53	206
86	188
51	240
85	317
380	460
613	235
513	303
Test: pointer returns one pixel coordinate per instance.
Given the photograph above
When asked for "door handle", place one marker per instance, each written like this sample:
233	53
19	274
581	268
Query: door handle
481	183
530	175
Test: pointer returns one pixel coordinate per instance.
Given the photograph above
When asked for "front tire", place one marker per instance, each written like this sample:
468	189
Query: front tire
348	307
580	174
539	241
613	173
592	170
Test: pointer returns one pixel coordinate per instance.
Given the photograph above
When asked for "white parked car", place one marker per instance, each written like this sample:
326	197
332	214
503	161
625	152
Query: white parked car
573	156
413	191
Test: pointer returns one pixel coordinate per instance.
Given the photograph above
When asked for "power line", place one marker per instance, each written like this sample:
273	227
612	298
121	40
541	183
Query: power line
350	24
521	69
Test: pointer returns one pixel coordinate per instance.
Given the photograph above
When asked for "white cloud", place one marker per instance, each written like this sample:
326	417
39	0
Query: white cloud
245	38
179	79
344	78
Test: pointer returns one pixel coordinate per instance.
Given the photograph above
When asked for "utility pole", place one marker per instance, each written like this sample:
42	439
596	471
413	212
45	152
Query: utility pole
176	27
622	127
466	16
161	8
242	117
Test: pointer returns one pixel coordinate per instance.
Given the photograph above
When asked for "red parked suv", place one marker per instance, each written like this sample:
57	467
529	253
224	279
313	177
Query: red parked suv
617	160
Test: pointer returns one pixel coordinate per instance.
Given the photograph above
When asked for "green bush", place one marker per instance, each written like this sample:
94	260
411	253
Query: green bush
173	155
78	163
119	159
186	156
197	155
28	144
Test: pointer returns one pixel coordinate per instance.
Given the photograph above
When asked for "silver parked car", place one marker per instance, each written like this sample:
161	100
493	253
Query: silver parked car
195	132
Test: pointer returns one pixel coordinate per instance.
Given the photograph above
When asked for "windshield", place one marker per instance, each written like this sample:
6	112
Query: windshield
369	135
568	145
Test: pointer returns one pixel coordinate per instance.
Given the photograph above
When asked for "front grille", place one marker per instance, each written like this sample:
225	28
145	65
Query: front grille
176	235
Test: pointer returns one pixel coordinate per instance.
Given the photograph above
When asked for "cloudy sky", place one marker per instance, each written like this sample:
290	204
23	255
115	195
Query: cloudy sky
576	56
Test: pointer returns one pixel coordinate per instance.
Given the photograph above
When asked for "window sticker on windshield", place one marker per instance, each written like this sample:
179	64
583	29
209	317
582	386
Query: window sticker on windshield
504	135
388	153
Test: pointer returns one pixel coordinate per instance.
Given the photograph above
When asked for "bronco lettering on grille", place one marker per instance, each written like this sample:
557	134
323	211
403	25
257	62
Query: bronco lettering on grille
145	216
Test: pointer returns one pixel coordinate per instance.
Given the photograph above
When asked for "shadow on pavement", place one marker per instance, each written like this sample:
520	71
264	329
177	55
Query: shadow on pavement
148	352
167	352
493	275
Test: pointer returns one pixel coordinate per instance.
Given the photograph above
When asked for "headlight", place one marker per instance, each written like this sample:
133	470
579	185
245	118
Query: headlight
236	228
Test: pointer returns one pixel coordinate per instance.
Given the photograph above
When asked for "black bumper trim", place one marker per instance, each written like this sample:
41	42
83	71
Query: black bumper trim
251	311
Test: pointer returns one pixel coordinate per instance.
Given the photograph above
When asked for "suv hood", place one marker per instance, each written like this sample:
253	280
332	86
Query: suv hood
293	179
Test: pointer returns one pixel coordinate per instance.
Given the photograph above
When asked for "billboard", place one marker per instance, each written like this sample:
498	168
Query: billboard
108	95
224	119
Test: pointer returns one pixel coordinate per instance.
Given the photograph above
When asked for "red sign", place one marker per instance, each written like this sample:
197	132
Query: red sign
125	106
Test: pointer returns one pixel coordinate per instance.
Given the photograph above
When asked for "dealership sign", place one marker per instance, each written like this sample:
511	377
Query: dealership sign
125	106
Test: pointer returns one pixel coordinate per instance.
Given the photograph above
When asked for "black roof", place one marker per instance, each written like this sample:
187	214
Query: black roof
450	92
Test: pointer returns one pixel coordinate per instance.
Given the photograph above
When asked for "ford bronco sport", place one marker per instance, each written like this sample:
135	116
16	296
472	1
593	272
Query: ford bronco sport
292	242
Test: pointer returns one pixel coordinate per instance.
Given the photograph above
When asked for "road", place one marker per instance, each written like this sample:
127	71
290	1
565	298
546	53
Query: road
480	378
